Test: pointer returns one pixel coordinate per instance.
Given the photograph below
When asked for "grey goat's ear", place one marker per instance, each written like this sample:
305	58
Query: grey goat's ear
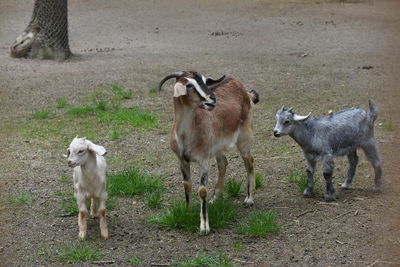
301	118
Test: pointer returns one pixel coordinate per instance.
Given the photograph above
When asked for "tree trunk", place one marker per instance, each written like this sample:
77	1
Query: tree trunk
46	36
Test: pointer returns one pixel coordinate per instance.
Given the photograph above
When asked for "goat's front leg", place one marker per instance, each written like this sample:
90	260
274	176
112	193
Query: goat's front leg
328	172
310	178
204	225
81	201
187	183
222	162
102	213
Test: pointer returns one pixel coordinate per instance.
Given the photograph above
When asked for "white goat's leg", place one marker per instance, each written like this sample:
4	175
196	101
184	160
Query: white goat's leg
82	216
204	225
103	220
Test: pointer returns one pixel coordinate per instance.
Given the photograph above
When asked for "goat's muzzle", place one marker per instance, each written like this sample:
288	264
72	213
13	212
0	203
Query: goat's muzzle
277	134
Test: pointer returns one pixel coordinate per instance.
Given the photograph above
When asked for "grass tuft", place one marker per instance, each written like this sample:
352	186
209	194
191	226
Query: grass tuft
259	180
133	116
260	224
300	180
134	260
20	198
64	179
132	181
61	103
80	252
221	213
204	260
40	114
120	93
114	134
388	126
232	188
153	200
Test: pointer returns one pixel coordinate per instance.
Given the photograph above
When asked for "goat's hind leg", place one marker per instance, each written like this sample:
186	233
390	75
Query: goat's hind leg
222	162
103	219
371	152
187	183
244	144
353	161
310	178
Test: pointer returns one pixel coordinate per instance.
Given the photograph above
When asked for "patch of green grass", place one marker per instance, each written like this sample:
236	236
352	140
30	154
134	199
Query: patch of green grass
300	180
388	126
61	103
132	181
120	93
204	260
81	110
260	224
20	198
40	114
64	179
68	204
259	180
133	116
153	200
238	245
114	134
232	188
220	213
134	260
153	91
79	252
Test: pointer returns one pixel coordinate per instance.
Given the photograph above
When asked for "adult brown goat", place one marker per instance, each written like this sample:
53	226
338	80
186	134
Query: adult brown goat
211	116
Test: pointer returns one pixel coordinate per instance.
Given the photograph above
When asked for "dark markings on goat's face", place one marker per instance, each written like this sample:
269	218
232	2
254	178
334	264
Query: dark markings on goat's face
197	82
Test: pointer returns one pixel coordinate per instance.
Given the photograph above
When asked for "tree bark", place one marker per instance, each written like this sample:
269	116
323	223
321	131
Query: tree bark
46	36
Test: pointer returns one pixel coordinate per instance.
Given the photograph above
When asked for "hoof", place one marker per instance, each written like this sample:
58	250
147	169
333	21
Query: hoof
248	202
104	234
377	189
330	198
82	235
344	186
204	230
307	193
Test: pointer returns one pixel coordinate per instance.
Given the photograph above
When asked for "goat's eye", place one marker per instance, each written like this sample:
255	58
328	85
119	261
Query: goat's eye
81	151
68	152
286	122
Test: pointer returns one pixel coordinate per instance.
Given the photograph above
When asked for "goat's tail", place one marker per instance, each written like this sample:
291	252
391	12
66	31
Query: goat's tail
373	110
254	96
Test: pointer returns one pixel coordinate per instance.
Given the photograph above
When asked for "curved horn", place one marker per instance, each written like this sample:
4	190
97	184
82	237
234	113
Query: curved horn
172	75
300	118
210	81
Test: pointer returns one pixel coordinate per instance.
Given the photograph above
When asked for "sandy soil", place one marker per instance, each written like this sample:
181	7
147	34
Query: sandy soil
312	55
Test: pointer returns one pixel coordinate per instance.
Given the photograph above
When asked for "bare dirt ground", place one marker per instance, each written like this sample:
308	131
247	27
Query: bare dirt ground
312	55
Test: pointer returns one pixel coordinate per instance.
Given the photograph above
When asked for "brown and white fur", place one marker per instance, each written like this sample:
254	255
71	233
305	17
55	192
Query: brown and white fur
206	124
89	177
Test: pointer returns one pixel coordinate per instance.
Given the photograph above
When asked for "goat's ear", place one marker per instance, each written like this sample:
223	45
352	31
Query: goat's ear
301	118
99	150
179	90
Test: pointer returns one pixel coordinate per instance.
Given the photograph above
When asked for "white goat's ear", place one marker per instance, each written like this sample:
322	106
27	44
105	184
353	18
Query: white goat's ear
179	90
99	150
301	118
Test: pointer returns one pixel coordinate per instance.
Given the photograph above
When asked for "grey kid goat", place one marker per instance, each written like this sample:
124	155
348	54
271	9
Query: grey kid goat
324	138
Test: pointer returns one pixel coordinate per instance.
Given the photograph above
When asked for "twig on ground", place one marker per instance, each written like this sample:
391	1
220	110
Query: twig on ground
160	264
339	242
103	262
67	214
378	261
18	224
341	215
304	213
244	262
328	203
